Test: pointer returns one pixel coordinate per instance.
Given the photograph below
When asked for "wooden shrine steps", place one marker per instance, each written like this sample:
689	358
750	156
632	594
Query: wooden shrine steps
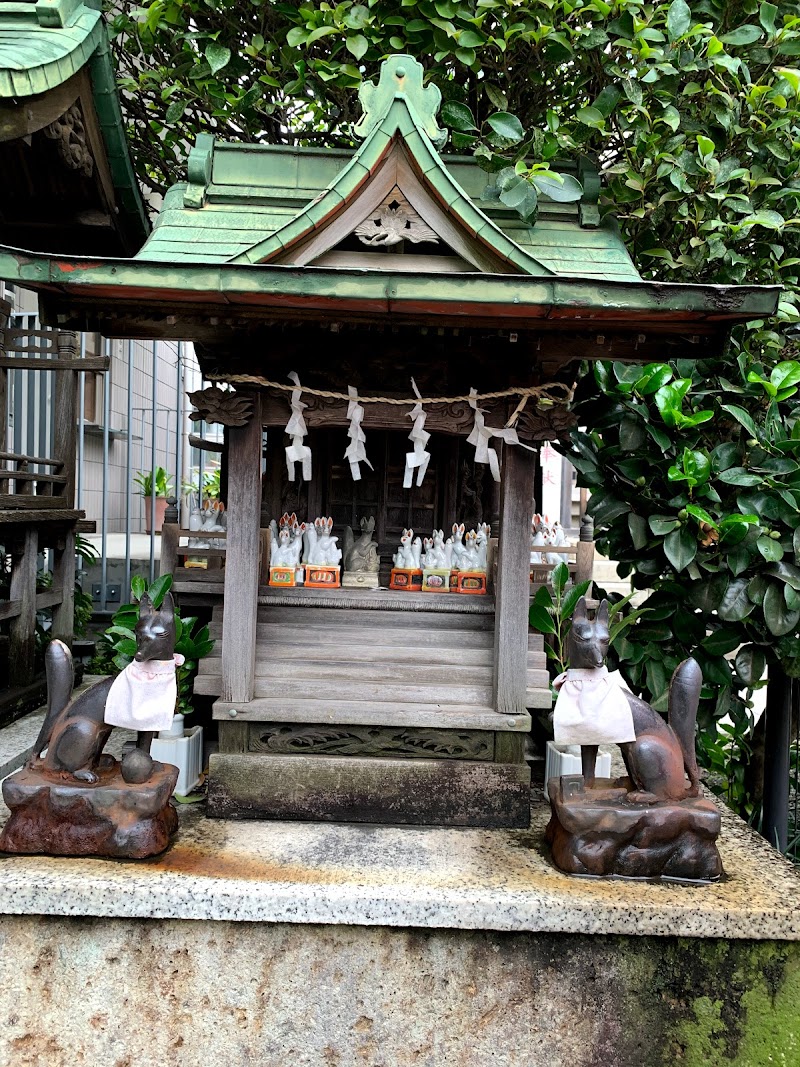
372	714
401	661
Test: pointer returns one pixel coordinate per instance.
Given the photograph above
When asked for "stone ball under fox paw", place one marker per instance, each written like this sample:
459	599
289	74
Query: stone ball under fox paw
137	766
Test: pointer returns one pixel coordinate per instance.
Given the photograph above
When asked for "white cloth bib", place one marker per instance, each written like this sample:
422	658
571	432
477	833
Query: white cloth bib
143	696
591	709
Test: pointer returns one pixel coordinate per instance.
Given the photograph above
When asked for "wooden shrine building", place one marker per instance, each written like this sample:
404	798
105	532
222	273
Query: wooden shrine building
366	269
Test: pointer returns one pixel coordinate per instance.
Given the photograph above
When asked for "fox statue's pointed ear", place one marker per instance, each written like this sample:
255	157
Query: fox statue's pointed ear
580	609
168	604
145	606
602	614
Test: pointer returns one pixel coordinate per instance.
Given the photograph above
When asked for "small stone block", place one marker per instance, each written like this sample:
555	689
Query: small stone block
436	580
360	580
598	831
473	583
410	581
57	816
322	577
283	576
417	792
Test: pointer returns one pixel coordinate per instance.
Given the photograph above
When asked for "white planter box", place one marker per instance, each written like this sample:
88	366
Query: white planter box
185	753
566	759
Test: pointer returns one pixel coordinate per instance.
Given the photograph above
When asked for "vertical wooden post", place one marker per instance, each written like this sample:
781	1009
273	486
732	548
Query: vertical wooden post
242	561
65	427
64	581
512	595
170	538
22	631
5	308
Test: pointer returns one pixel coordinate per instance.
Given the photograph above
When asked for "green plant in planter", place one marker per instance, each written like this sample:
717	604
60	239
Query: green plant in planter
145	479
551	614
211	483
120	640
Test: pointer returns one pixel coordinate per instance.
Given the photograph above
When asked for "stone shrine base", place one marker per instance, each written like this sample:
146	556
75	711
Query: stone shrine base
57	815
598	831
267	944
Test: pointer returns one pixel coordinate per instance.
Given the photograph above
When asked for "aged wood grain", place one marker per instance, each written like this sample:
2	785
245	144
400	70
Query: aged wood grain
243	544
370	713
22	628
513	592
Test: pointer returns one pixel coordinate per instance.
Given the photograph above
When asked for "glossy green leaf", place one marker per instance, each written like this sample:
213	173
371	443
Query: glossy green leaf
750	664
506	126
680	548
736	604
777	615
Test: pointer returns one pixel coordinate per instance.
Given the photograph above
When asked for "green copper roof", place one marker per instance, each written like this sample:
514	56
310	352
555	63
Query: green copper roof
252	204
43	44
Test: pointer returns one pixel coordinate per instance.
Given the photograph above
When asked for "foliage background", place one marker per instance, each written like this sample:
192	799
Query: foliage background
691	111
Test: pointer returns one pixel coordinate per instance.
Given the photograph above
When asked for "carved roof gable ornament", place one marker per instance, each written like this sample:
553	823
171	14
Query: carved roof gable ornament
394	221
398	153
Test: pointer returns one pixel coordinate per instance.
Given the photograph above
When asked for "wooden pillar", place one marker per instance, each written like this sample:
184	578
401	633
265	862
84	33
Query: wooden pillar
22	630
65	426
512	594
5	308
777	766
64	582
243	559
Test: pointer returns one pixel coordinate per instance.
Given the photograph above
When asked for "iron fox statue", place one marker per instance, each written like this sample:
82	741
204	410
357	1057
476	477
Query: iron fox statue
663	754
74	732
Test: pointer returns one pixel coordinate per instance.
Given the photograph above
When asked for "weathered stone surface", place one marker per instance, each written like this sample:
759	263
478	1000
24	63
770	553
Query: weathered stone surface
599	831
56	815
123	993
369	789
406	876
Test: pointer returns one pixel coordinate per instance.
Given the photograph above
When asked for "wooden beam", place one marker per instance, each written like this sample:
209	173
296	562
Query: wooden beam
88	363
23	628
242	569
512	594
204	445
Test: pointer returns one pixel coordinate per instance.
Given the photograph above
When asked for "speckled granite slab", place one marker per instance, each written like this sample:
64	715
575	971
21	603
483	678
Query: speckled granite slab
419	877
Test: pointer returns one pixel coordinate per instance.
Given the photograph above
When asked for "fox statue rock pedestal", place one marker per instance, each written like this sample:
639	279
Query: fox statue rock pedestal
653	823
110	817
71	798
599	831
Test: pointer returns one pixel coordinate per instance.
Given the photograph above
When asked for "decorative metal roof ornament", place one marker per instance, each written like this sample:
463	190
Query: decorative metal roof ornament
401	76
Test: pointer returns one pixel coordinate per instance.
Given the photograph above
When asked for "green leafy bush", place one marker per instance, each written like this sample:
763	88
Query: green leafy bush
118	645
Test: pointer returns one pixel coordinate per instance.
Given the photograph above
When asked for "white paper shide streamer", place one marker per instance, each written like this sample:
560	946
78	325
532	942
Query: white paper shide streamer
418	459
356	453
297	452
482	434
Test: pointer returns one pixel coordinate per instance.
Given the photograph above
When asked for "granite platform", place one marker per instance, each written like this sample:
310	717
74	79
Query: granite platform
468	879
273	943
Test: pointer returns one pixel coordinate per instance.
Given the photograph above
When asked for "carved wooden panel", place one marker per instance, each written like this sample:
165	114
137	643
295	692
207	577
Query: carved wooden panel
284	739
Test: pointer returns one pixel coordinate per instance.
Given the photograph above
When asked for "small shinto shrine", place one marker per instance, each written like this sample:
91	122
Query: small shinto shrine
358	272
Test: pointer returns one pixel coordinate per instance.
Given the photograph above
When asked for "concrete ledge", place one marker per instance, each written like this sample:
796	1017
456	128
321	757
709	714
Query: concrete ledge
502	880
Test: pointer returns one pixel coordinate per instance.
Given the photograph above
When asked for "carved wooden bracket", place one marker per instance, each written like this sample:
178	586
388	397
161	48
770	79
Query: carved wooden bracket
227	408
69	133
